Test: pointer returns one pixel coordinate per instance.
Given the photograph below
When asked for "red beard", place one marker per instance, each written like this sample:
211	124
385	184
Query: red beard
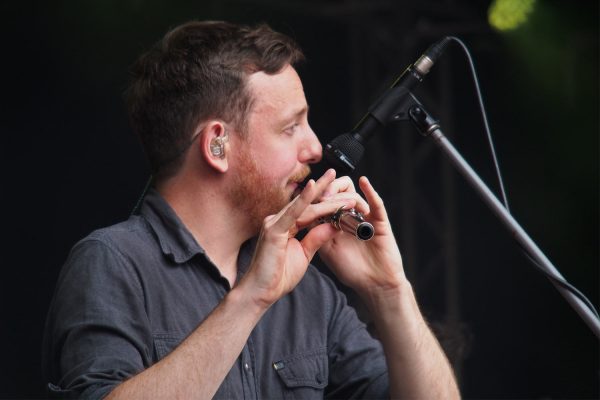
255	196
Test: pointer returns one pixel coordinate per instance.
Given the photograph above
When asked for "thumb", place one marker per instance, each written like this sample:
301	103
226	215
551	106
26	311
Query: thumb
317	237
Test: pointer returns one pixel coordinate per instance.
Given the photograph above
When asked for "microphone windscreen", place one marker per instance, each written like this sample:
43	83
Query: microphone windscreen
343	153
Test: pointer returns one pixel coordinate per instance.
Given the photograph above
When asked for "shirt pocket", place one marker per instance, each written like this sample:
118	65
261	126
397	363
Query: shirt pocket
164	343
303	375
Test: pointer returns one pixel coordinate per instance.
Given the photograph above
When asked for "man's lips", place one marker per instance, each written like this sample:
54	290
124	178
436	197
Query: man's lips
297	181
298	187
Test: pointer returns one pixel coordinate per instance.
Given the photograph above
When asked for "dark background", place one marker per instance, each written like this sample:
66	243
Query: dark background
71	164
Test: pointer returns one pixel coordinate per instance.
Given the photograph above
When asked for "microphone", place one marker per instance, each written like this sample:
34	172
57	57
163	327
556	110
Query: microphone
344	152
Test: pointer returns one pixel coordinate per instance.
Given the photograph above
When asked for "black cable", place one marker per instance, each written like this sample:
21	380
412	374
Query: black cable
554	278
561	281
138	204
486	125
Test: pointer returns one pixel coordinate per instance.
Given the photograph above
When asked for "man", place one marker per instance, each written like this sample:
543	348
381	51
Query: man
185	300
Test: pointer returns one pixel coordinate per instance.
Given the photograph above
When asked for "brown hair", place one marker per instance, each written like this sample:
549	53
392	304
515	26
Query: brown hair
196	72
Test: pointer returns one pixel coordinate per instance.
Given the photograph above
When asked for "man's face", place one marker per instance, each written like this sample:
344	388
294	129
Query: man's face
273	159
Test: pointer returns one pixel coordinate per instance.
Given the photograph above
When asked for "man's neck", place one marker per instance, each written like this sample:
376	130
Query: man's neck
211	221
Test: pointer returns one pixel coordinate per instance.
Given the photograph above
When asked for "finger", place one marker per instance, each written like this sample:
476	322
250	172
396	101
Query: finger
328	207
375	201
322	210
316	238
360	204
286	218
324	181
342	184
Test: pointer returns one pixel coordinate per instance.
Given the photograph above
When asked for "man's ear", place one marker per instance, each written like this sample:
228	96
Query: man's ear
214	145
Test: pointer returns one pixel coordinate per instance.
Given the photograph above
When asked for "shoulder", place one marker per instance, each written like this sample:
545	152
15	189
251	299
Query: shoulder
113	251
124	243
118	237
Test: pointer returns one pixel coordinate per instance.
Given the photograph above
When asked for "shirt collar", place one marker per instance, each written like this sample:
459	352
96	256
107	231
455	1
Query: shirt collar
175	240
245	255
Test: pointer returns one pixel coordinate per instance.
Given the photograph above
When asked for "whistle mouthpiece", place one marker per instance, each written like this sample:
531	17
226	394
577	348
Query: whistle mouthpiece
352	222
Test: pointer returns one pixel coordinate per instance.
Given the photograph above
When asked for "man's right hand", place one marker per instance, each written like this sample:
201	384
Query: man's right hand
280	260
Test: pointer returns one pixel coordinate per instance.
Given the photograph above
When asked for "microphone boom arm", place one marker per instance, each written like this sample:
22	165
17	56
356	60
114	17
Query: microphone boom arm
429	127
399	104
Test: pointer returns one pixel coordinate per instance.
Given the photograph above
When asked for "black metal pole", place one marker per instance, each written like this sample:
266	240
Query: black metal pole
428	126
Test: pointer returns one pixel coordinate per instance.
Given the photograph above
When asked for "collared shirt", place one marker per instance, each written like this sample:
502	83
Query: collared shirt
130	293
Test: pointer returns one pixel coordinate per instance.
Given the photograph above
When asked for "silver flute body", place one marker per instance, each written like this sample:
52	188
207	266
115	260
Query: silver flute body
352	222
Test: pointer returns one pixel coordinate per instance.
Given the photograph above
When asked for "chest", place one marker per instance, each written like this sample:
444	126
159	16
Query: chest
285	355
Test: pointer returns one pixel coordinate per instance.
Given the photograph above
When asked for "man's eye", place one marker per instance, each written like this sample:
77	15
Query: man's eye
290	130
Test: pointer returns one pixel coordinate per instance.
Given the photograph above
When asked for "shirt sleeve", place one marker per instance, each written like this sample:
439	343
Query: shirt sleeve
97	331
357	362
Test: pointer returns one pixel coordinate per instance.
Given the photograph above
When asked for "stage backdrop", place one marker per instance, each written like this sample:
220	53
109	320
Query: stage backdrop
71	163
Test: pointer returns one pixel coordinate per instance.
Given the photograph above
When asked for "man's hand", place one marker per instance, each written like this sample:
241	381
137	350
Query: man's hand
280	260
364	266
417	365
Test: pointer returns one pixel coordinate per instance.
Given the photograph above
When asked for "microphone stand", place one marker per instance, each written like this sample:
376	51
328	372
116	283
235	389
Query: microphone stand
407	107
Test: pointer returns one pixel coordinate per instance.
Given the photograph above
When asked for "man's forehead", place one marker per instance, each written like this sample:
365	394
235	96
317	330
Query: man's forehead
276	90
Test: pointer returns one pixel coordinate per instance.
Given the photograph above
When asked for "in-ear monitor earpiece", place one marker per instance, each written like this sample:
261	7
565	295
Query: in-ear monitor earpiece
217	145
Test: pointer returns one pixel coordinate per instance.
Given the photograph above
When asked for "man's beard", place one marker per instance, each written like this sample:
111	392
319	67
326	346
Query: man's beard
257	197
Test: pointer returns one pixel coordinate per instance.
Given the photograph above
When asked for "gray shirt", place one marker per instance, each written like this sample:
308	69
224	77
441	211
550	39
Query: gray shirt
130	293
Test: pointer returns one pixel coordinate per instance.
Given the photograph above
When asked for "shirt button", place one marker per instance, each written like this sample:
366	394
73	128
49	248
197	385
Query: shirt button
246	366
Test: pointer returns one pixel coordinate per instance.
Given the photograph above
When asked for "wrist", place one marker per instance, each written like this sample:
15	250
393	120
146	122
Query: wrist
257	296
388	305
388	295
246	296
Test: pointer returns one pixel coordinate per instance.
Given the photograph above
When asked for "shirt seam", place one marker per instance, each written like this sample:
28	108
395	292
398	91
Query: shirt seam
123	259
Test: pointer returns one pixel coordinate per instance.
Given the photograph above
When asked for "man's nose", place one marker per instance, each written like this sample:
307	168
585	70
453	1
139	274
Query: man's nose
311	151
